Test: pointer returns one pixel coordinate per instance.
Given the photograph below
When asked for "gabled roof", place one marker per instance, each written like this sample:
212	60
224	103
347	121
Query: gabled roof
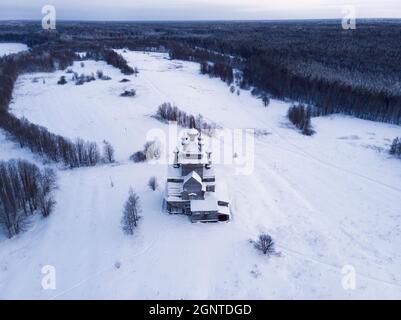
193	175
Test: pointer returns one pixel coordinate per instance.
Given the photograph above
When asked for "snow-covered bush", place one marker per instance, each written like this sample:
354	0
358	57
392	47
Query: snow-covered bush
84	78
131	213
152	183
138	156
62	80
395	148
100	75
128	93
265	244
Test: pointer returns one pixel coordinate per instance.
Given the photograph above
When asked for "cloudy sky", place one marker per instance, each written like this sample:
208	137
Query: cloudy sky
197	9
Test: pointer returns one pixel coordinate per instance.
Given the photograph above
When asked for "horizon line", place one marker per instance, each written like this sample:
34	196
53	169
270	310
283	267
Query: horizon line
196	20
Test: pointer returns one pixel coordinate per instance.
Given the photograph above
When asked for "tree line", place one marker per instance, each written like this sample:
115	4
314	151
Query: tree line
24	190
212	63
167	112
112	58
218	70
38	139
301	62
327	96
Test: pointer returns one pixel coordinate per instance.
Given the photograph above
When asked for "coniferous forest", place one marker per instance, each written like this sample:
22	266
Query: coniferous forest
317	63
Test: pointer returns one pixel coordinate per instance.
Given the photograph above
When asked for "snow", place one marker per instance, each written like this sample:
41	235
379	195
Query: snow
329	200
11	48
10	150
208	204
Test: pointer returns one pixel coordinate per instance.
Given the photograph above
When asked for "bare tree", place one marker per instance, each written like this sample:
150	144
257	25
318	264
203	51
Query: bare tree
57	148
93	153
24	190
131	212
108	152
152	183
265	244
45	198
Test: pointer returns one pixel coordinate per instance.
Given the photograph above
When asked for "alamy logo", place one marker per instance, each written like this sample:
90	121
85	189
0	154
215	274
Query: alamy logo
49	20
349	17
233	147
49	278
348	280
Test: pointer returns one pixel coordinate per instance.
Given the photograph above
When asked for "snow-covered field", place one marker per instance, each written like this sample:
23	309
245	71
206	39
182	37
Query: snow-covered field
329	200
10	48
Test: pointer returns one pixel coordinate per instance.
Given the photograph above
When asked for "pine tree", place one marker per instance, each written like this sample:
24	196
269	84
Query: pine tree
131	213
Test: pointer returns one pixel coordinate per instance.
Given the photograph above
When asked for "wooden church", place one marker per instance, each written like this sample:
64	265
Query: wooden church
191	187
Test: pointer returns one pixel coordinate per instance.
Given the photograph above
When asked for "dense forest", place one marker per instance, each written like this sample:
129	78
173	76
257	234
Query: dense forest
317	63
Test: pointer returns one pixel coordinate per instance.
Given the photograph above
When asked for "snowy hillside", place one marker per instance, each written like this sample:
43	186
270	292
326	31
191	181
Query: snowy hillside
329	200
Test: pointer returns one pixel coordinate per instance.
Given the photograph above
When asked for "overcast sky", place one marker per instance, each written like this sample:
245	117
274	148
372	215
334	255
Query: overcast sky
197	9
